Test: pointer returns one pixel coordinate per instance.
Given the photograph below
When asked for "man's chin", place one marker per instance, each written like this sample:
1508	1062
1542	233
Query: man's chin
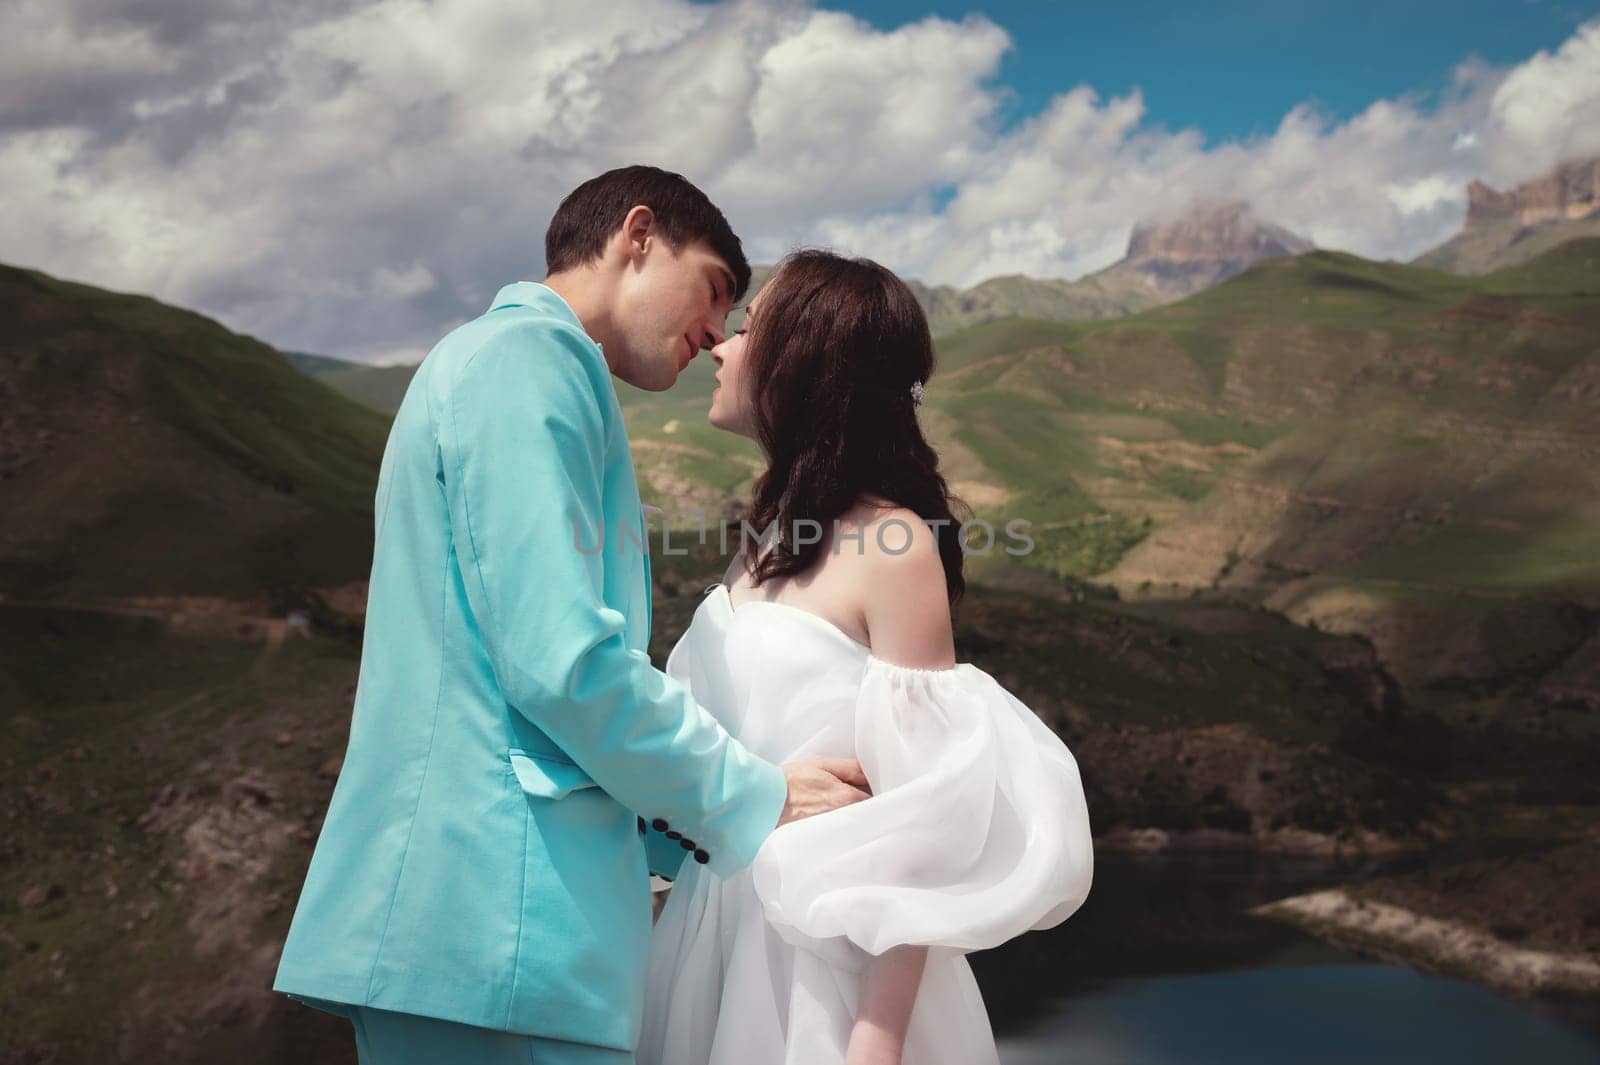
668	378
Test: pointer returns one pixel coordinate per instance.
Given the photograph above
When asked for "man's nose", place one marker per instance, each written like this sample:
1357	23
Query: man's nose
715	333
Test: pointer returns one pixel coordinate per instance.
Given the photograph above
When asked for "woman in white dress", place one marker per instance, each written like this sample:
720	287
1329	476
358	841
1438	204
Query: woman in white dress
843	941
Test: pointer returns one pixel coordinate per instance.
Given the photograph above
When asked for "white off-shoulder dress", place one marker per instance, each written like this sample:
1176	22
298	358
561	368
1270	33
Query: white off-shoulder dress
976	832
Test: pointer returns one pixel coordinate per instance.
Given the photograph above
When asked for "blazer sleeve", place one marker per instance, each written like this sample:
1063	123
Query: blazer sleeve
522	434
664	856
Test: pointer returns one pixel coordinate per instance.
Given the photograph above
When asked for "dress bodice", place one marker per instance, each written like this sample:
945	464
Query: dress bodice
780	679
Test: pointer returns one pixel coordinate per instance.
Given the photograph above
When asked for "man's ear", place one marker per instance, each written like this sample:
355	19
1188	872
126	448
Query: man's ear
638	231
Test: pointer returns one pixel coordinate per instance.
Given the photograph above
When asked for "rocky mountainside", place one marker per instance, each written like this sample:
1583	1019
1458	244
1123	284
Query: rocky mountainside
1568	193
1506	228
1203	247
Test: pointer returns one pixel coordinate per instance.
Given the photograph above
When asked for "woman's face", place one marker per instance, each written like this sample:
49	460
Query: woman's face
731	402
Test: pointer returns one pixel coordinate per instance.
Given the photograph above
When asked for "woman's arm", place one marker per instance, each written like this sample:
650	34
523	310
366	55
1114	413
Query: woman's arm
888	992
907	613
905	603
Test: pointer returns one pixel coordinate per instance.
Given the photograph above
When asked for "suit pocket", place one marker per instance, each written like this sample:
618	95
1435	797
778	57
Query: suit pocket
547	777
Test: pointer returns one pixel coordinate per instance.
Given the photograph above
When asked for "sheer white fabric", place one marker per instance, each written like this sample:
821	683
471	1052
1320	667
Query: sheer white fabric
976	832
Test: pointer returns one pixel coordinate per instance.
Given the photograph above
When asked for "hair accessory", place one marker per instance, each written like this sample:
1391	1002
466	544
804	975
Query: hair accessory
917	391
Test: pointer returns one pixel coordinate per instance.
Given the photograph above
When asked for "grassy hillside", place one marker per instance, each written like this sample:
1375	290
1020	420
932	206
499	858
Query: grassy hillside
380	387
1436	430
1495	244
147	450
1358	443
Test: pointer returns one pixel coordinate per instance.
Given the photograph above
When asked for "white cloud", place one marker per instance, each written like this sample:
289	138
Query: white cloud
844	117
356	179
1425	194
1547	109
1057	196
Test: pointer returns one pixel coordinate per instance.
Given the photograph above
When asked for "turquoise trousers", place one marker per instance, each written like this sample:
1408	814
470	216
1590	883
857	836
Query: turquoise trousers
384	1037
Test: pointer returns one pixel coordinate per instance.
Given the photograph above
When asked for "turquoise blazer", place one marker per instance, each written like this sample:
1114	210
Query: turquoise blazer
515	762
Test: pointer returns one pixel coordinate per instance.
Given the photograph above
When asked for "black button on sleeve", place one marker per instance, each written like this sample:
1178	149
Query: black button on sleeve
686	844
641	826
702	857
659	824
674	834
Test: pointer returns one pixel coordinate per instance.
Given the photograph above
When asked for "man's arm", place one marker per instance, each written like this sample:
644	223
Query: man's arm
522	432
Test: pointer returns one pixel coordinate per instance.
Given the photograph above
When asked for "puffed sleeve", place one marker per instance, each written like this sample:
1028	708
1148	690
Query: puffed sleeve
977	829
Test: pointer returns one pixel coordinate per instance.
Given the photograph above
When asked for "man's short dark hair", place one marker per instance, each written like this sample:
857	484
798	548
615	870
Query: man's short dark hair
593	211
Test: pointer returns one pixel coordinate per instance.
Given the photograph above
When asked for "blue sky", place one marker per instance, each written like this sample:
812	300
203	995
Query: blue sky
1233	68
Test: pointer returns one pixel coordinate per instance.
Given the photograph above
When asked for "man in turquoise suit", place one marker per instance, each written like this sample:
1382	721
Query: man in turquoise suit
516	766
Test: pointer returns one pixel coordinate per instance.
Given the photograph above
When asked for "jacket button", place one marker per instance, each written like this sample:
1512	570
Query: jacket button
674	834
702	857
641	826
659	824
686	844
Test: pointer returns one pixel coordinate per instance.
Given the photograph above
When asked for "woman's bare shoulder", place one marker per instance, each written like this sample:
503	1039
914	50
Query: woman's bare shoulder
902	584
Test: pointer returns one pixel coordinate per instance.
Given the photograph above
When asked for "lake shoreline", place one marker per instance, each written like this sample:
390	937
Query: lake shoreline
1528	924
1448	947
1468	919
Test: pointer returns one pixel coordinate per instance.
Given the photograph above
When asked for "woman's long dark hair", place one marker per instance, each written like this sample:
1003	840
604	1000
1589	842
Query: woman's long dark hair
833	354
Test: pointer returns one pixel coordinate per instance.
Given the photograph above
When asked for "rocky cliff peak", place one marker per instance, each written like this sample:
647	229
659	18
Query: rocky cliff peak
1569	192
1213	231
1207	244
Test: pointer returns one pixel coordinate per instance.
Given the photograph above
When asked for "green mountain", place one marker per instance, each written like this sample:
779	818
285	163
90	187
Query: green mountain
1506	228
147	450
380	387
1365	445
1106	294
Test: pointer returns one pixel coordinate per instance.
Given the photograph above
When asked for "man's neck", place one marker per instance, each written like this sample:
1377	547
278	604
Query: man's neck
588	293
